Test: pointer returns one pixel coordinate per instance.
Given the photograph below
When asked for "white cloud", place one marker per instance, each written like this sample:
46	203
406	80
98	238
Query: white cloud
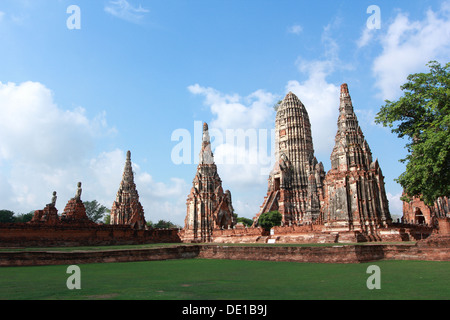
320	97
233	111
241	129
162	201
124	10
366	37
34	127
407	47
395	205
44	148
295	29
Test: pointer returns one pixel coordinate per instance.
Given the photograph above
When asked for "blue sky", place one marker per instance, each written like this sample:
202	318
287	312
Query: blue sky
73	101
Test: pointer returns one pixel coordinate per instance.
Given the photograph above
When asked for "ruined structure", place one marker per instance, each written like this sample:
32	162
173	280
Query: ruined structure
354	194
208	206
349	198
417	212
74	211
295	183
47	216
127	210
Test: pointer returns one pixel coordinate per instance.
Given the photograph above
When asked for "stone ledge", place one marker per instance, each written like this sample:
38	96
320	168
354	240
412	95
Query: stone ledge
329	254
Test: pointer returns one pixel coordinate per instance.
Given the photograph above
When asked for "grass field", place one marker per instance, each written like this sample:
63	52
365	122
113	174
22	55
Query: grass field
196	279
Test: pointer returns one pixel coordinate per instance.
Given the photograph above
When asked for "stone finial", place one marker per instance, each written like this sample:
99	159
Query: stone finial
128	155
344	91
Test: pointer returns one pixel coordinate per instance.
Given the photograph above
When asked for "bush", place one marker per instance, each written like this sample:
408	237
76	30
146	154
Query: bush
271	219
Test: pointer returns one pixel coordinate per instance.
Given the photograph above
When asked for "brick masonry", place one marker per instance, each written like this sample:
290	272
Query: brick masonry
423	250
31	235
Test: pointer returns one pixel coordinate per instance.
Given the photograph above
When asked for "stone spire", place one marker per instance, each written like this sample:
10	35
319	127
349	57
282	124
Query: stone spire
127	209
206	156
354	187
296	179
351	150
208	206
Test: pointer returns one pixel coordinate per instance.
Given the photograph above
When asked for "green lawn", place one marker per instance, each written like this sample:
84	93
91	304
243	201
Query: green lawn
227	279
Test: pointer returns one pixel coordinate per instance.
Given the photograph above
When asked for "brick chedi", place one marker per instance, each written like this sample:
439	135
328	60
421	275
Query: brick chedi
354	192
126	209
208	206
47	216
295	183
74	211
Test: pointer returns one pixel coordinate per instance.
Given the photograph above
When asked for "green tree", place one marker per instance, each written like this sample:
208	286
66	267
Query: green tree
271	219
24	217
107	217
422	115
94	210
6	216
162	224
246	221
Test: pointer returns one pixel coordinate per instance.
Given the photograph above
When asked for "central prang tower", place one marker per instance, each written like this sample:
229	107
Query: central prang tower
295	183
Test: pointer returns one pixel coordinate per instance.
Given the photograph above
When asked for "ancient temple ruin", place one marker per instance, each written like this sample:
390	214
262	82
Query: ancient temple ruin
127	210
295	183
208	206
354	194
416	211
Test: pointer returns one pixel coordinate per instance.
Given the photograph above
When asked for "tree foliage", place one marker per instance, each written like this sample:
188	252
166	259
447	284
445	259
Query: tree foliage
94	210
271	219
245	221
162	224
7	216
24	217
422	116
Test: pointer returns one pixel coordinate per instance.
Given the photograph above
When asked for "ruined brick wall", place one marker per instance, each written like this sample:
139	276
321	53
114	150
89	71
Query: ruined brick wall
444	226
331	254
29	235
416	211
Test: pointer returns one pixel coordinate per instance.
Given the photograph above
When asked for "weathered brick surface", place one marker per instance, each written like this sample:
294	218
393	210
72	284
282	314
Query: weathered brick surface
127	209
208	206
81	257
334	254
416	211
28	235
295	183
354	194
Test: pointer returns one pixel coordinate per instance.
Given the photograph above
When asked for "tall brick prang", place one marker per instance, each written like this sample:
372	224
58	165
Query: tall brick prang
295	183
126	209
354	192
208	206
